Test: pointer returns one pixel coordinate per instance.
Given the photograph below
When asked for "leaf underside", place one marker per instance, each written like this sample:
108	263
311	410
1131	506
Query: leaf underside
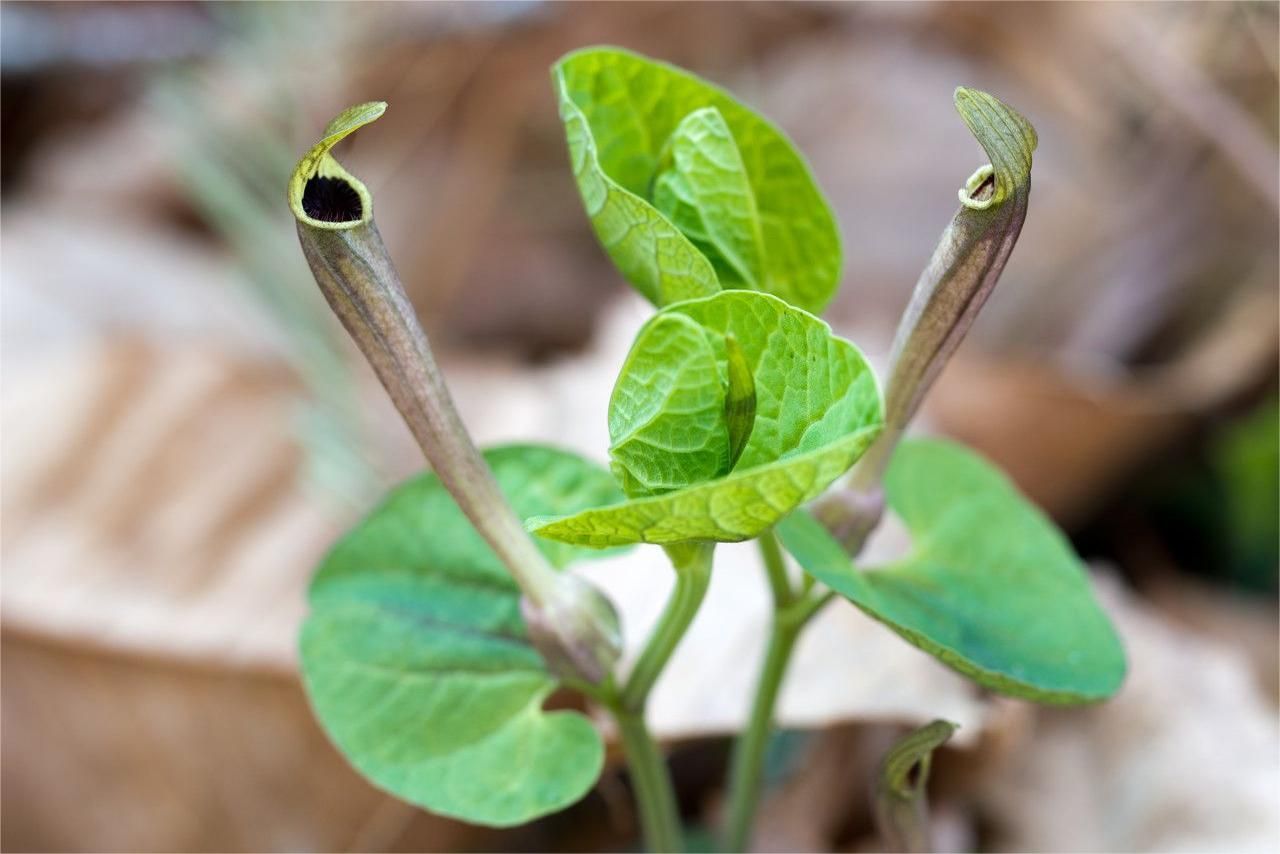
991	588
417	661
817	407
688	190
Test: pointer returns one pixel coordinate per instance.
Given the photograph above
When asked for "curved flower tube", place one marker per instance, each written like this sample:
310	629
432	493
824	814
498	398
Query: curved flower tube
573	624
951	291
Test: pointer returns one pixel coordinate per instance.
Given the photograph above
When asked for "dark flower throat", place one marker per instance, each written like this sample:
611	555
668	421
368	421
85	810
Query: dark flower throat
331	200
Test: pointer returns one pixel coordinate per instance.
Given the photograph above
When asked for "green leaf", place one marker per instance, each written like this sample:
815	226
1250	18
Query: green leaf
648	250
705	191
418	663
991	588
726	182
672	369
817	409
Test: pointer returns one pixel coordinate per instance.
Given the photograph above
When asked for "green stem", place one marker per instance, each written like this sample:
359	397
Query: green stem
775	567
791	614
746	768
655	797
693	574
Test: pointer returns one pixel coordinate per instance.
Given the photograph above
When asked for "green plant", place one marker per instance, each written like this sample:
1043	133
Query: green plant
439	627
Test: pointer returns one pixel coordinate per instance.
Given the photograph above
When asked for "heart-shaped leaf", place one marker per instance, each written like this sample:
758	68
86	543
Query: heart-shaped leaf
690	191
417	660
817	407
991	588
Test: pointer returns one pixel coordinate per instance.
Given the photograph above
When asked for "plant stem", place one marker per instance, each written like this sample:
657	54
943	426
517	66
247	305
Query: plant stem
693	574
746	768
747	765
792	611
775	567
572	624
655	797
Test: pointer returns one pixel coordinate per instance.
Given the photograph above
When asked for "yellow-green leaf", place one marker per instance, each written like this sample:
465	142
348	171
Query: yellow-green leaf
705	191
671	369
736	205
817	407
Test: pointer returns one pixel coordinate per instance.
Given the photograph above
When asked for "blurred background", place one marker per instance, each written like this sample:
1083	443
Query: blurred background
186	430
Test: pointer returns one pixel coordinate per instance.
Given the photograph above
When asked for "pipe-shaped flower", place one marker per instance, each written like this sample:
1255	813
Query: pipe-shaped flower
322	194
960	276
970	256
574	625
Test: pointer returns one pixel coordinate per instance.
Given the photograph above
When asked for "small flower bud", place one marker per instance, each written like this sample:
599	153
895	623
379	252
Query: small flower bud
739	400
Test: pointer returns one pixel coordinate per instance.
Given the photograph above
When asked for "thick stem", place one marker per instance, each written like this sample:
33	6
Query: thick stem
792	612
655	797
573	624
362	287
853	512
746	767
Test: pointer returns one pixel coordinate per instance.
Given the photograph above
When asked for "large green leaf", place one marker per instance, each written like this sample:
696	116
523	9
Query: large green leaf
990	587
727	184
417	661
817	408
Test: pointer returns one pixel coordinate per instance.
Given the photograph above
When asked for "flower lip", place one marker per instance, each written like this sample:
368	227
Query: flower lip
979	192
324	195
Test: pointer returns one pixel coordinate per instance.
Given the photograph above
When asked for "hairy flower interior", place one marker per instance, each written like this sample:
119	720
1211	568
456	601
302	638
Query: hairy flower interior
331	200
